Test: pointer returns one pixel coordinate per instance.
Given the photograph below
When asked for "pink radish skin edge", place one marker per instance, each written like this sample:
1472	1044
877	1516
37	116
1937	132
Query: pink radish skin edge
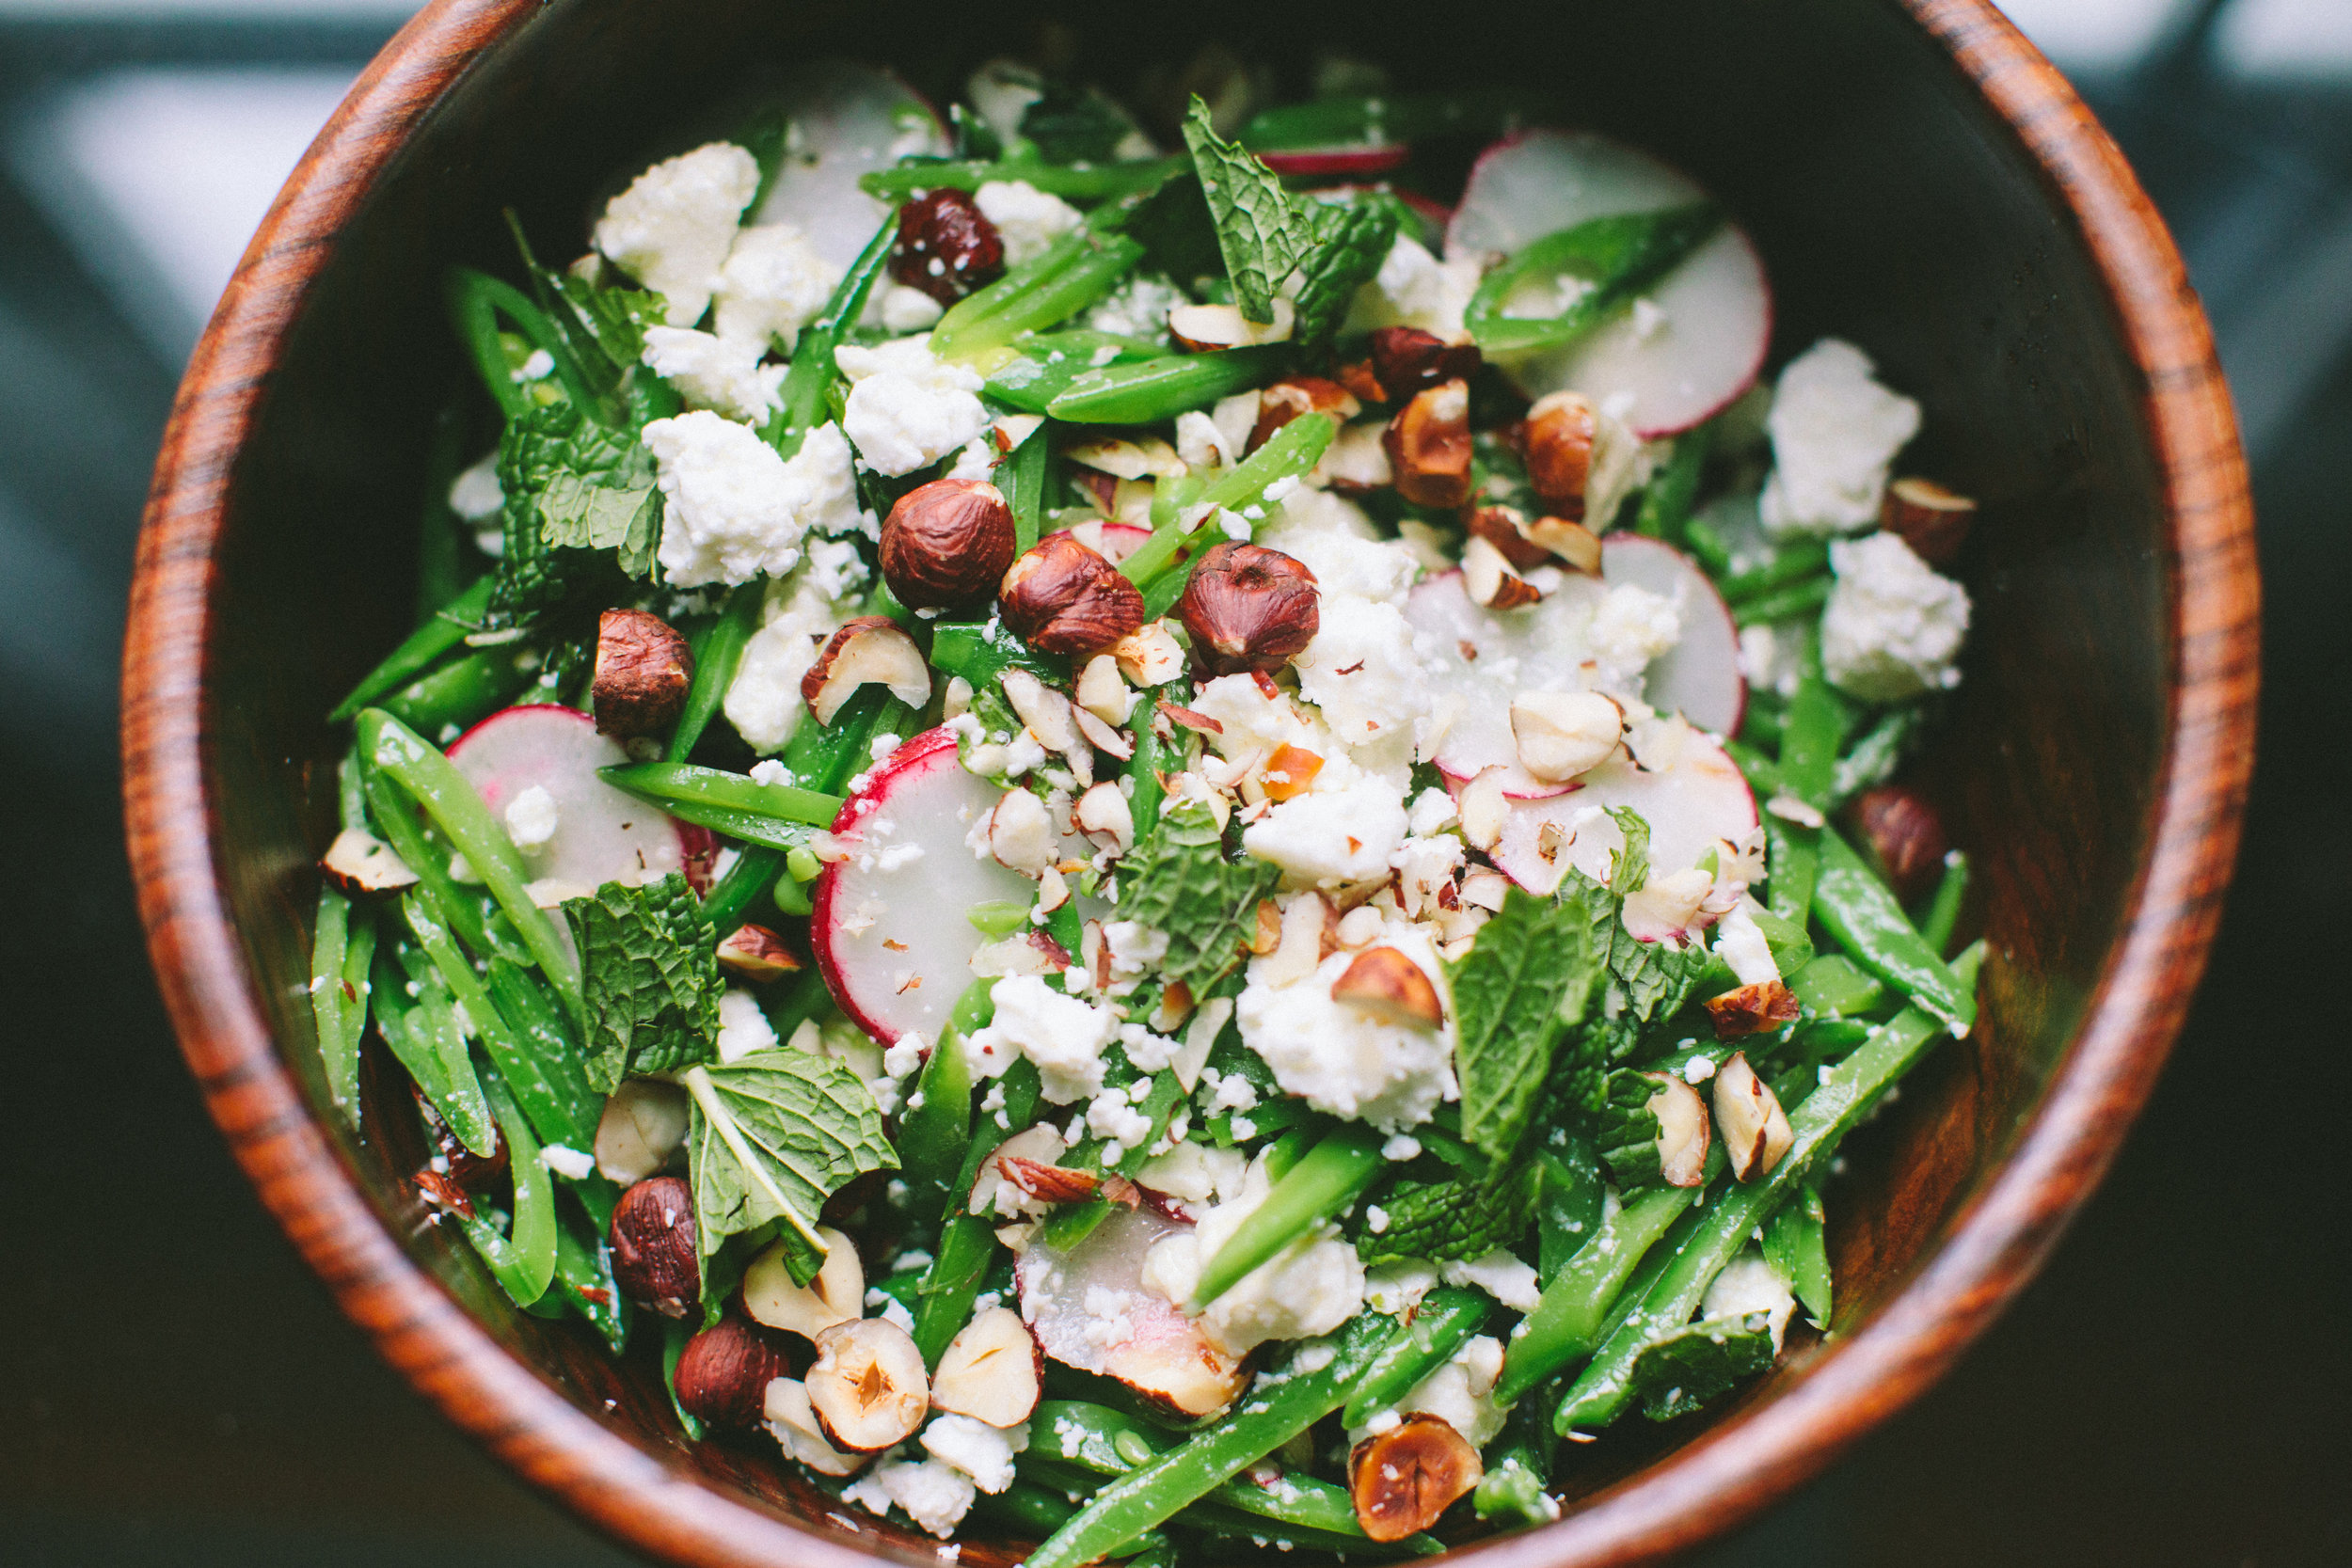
697	847
1623	545
913	754
1347	163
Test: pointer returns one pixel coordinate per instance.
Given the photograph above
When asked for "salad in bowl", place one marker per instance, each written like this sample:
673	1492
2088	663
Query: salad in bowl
1147	828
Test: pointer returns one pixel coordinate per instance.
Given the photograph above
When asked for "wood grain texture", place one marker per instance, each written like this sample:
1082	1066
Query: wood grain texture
2099	758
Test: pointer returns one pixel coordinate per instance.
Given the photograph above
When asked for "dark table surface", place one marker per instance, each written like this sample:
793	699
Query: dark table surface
2174	1390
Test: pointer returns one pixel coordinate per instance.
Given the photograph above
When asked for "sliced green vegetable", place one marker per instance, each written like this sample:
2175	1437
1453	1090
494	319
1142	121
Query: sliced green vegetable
1612	259
522	1260
1442	1322
1566	1323
1867	921
1090	182
1146	390
1796	1244
420	651
802	401
1332	1176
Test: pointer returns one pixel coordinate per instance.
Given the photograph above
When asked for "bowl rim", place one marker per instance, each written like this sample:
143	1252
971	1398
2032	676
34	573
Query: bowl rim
1724	1476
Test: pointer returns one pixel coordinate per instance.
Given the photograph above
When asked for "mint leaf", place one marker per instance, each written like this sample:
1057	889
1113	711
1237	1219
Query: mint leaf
1629	867
650	978
1352	240
1680	1372
1523	983
578	512
557	449
772	1136
1262	233
1074	125
1452	1219
1629	1131
1178	881
1654	979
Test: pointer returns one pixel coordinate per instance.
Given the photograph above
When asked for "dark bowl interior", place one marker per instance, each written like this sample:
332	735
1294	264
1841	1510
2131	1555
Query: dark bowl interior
1895	206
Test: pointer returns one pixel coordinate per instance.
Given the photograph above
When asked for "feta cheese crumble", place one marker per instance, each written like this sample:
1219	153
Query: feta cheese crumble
735	509
1341	1059
935	1494
674	225
908	409
742	1027
722	374
531	819
1894	625
1028	219
1310	1287
1064	1036
773	285
1835	432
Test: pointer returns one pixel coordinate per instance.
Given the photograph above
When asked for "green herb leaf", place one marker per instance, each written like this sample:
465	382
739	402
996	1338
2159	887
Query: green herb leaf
775	1134
1523	983
1263	233
1679	1372
650	978
1179	881
1452	1219
1074	125
1629	1131
579	512
1352	240
541	569
1629	867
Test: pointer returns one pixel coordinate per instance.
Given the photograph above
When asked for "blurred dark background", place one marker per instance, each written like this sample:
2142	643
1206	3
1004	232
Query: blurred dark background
177	1389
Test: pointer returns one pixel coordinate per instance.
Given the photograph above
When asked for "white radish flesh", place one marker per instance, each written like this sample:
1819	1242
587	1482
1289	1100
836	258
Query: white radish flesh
846	120
1699	676
1699	803
602	835
1483	659
1090	1309
1663	370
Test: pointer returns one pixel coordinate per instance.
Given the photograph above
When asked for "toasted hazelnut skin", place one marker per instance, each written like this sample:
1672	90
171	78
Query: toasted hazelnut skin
643	669
756	954
821	674
653	1246
1906	834
468	1171
1061	597
1402	1479
1428	445
1249	607
1505	529
945	227
1557	440
1933	520
1283	402
946	543
1406	360
1751	1008
723	1372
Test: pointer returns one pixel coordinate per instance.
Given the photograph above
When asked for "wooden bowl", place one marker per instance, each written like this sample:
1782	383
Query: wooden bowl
1921	180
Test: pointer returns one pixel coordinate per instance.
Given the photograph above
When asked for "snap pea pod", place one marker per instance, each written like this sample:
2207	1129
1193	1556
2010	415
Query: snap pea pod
779	815
583	1276
756	869
1863	914
549	1078
397	752
1799	561
1873	760
1151	758
1795	1243
1081	268
1044	365
1519	1464
801	402
1616	258
1223	1525
1834	986
522	1261
1762	772
715	664
1565	1324
1153	1492
968	1240
475	301
465	690
336	940
433	1048
1705	542
1021	480
547	1082
1446	1318
1943	916
936	1123
1385	117
1289	453
1808	761
1847	1091
1332	1175
1072	181
1161	388
421	649
1570	1196
1666	500
1784	603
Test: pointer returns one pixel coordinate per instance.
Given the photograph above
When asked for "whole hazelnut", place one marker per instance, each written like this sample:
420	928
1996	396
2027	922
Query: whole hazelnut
723	1372
644	667
1932	520
946	543
946	246
653	1246
1061	597
1906	836
1428	445
1406	359
1249	607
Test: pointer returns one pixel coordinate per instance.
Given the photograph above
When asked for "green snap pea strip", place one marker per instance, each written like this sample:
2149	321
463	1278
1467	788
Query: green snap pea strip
936	1124
1666	500
523	1262
1378	119
1847	1091
1154	1491
779	815
808	385
1799	561
1863	914
421	649
1834	986
1080	268
1809	739
342	943
968	1240
1784	603
1153	389
475	302
1566	1323
546	1078
1944	911
1332	1175
1290	452
424	1040
715	666
1615	257
1443	1321
398	754
757	868
1796	1244
1021	480
465	690
1074	182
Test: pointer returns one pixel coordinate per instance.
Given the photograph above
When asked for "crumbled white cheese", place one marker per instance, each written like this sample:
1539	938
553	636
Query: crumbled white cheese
1196	1173
1200	444
1028	220
1740	943
1631	627
1772	658
1894	624
1341	1059
906	408
906	310
1361	672
1310	1287
1415	289
735	509
1347	829
1501	1276
742	1027
722	374
1397	1288
475	495
773	284
1749	1284
1461	1392
764	702
1113	1116
1134	950
979	1451
671	229
1062	1034
573	1164
933	1495
1432	811
1249	720
1138	309
531	819
1835	432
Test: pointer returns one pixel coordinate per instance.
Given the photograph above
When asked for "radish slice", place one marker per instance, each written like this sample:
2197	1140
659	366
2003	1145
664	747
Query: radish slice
1090	1309
1113	542
1698	802
1355	162
1663	370
1699	676
846	120
602	835
889	923
1482	660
